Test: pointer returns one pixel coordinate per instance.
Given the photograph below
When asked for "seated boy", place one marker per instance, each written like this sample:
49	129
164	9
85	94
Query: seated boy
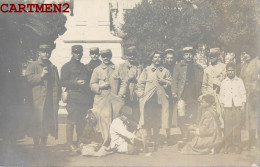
122	140
207	134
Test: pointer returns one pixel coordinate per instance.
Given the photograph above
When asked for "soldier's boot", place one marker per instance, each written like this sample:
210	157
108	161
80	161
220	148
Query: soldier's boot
79	131
168	136
44	140
36	141
156	138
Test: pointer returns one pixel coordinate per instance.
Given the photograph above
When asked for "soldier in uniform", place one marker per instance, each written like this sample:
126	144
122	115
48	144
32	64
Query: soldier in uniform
75	78
170	62
213	75
93	63
43	77
154	104
130	71
108	100
186	88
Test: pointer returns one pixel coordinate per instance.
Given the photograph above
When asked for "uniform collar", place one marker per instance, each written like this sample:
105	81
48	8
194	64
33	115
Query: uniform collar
129	65
184	63
95	62
104	66
75	61
153	67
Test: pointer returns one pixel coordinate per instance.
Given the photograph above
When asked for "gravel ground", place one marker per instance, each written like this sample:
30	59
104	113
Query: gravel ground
23	154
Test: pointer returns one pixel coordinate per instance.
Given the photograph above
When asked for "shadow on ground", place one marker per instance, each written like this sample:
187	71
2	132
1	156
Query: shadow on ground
23	155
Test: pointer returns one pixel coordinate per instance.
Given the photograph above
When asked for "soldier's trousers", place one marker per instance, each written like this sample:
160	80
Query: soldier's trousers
76	117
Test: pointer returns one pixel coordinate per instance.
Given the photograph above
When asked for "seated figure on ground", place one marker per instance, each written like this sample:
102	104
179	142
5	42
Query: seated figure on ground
90	134
122	139
207	134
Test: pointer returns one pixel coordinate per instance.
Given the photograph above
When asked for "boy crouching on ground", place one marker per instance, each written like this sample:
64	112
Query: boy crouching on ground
122	139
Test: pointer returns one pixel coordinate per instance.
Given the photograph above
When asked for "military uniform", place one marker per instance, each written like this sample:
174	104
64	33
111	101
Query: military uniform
90	68
212	78
186	86
107	103
213	75
130	71
79	101
46	93
154	104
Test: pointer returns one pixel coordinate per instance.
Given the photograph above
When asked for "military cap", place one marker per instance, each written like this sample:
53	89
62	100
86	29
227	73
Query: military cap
77	48
213	52
46	47
131	51
94	50
169	51
188	49
105	53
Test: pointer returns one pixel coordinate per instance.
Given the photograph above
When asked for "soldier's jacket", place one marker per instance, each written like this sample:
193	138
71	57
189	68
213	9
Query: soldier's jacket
92	65
180	76
103	74
148	85
213	75
70	73
90	68
107	103
39	93
130	74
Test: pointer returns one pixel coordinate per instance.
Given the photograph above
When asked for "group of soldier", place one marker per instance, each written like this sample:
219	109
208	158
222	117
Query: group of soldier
164	93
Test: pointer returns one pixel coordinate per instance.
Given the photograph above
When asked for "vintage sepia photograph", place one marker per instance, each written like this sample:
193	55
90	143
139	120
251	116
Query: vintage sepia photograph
139	83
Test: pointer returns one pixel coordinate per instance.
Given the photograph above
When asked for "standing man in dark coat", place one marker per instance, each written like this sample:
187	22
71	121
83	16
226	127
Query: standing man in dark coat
93	63
75	78
43	77
186	88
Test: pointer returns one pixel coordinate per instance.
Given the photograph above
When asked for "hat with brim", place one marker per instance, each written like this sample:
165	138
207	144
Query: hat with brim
169	51
214	52
188	49
45	47
106	53
131	51
77	48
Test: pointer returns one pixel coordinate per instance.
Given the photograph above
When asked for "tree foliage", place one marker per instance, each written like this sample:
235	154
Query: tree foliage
162	24
21	33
